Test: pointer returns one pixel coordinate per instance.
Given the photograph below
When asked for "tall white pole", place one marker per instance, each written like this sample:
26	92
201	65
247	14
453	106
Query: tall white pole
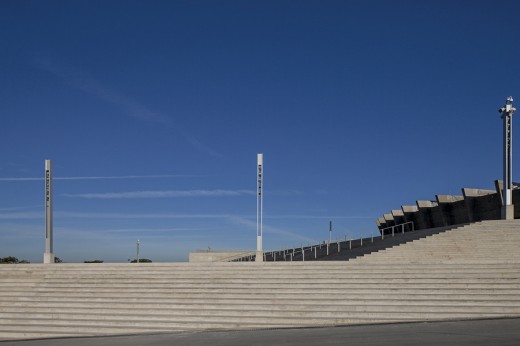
137	250
507	198
48	256
259	208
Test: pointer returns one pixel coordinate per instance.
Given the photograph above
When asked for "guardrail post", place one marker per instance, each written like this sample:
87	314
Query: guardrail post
338	247
350	244
361	241
315	253
303	255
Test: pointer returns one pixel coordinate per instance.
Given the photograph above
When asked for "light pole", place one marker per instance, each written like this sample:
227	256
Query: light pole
48	256
508	211
137	250
259	208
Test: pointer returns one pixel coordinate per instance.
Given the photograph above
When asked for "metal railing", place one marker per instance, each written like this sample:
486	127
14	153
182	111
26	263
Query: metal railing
393	228
311	251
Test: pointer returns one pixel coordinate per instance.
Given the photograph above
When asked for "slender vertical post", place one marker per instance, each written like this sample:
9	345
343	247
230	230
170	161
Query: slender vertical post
48	256
330	231
507	198
137	250
259	207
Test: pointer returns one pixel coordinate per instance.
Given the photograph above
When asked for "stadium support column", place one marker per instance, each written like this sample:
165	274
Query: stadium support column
259	208
48	256
508	212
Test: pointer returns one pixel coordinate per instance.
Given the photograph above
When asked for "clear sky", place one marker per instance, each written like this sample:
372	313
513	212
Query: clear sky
153	113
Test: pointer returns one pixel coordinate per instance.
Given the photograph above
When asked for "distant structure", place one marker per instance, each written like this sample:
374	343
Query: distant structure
507	198
259	208
48	256
473	205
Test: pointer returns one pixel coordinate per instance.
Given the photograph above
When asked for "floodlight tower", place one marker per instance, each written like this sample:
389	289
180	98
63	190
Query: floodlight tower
48	256
259	208
508	211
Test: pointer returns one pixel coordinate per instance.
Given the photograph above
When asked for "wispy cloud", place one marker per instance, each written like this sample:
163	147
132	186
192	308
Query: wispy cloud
113	177
152	230
96	215
161	194
21	208
251	224
81	80
327	217
201	146
114	216
22	215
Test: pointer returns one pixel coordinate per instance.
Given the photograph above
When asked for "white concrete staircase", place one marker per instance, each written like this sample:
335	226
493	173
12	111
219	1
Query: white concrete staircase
483	242
473	272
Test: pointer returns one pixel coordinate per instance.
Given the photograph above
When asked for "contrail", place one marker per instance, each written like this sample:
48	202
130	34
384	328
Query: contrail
156	176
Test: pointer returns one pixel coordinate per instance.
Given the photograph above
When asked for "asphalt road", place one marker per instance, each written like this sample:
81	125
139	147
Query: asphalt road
479	332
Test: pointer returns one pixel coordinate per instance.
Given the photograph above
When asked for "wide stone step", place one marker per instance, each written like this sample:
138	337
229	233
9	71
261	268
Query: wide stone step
267	298
355	273
332	289
271	304
345	275
424	278
279	310
187	268
307	283
285	292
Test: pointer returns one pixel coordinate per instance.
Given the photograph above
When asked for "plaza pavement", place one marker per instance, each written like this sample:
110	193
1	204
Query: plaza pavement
470	332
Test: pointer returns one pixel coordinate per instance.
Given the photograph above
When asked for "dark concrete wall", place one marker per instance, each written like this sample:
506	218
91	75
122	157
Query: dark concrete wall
474	205
398	216
425	217
453	209
482	204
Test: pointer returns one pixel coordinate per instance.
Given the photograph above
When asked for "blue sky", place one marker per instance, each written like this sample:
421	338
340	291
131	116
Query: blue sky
153	113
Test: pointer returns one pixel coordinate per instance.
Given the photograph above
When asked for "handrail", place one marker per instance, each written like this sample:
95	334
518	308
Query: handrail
395	226
329	244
